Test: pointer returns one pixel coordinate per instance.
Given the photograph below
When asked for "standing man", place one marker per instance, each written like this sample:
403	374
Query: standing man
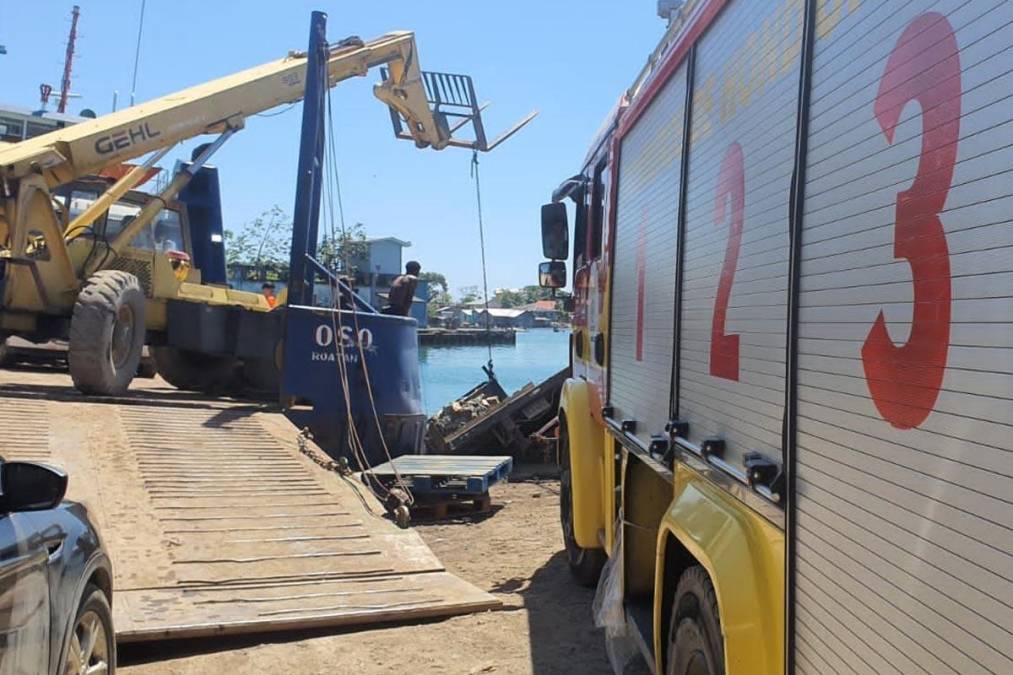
268	290
402	291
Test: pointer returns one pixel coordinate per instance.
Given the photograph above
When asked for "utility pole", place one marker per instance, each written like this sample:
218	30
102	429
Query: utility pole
68	62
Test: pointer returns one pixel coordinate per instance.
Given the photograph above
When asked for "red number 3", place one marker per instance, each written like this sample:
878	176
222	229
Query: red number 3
731	188
925	67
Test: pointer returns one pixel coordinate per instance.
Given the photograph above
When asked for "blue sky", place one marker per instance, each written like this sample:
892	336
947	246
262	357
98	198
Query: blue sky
568	59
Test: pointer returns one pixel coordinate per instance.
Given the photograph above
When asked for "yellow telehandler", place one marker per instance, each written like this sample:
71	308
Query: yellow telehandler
95	262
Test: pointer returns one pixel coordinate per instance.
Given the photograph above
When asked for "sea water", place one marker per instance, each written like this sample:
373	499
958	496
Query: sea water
449	372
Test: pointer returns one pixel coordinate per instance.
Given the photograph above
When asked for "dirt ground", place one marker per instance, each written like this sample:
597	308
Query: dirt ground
515	552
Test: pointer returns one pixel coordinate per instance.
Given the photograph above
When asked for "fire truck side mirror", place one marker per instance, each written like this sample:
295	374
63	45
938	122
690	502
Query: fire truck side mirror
555	231
552	274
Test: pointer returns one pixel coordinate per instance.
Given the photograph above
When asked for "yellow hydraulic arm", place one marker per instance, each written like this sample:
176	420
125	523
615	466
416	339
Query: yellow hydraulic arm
222	105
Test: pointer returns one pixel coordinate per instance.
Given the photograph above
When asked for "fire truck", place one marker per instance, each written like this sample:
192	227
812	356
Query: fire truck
788	425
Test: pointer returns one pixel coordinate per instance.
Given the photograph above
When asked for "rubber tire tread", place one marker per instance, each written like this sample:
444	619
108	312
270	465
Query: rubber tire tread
91	329
193	371
94	598
261	378
586	564
696	602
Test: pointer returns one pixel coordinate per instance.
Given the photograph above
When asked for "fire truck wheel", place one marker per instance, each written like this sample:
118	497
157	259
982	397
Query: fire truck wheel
106	333
193	371
585	563
695	645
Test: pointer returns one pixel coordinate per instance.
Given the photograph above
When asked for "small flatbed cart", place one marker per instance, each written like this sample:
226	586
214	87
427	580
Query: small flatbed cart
439	481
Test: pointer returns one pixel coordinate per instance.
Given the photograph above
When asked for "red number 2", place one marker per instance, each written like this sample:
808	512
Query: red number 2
904	380
731	188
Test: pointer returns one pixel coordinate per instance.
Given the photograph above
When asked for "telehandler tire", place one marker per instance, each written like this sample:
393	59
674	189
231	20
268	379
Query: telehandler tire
262	377
193	371
106	333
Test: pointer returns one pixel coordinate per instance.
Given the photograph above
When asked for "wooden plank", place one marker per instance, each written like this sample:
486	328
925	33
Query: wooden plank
253	608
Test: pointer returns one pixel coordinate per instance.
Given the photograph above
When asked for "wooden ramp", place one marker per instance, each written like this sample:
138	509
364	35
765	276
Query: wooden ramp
217	522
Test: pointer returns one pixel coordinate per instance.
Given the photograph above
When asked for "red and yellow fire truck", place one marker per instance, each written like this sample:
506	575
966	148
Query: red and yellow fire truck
789	415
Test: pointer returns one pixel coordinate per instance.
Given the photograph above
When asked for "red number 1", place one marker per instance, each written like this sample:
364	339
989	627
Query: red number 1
925	67
731	188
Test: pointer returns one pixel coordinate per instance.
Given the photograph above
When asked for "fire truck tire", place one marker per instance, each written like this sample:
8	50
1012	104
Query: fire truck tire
106	333
193	371
695	644
585	563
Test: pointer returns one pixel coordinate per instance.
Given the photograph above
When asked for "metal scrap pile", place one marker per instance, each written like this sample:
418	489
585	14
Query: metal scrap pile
476	403
487	421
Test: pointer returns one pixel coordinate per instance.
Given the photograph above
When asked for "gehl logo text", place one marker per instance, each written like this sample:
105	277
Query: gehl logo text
124	138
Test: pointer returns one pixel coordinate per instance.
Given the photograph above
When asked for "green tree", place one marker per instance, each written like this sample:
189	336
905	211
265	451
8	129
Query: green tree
437	301
436	280
341	251
263	243
470	294
507	298
535	293
439	292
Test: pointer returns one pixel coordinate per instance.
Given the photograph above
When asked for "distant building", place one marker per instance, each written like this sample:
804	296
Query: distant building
505	318
543	309
382	257
19	124
479	303
452	316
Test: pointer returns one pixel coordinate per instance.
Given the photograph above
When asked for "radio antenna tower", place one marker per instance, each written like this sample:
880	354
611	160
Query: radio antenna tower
68	62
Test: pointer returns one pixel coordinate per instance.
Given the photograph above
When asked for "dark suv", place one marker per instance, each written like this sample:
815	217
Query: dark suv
55	579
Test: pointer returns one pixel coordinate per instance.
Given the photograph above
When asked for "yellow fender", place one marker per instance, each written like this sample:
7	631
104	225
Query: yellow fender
744	555
586	459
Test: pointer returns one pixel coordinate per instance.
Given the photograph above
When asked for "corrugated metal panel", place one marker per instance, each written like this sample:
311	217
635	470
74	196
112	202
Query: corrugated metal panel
643	287
905	458
736	260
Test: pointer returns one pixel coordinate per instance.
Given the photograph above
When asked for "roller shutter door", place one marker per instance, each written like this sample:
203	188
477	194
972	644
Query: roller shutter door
643	286
734	311
905	457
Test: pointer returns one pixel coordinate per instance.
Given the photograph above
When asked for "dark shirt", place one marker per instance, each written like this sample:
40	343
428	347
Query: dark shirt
402	292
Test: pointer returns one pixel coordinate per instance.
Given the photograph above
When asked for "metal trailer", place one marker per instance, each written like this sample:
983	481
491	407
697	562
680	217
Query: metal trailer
791	373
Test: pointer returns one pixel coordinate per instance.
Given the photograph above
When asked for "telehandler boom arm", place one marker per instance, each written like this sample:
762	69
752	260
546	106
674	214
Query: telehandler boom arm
224	104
